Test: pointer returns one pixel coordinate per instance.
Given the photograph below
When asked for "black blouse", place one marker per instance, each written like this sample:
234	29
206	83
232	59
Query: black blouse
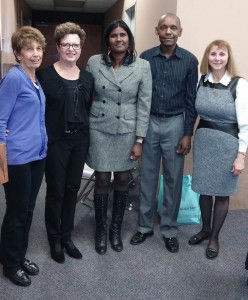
58	96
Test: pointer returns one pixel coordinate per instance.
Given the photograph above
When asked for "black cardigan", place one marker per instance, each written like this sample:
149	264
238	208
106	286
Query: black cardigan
56	98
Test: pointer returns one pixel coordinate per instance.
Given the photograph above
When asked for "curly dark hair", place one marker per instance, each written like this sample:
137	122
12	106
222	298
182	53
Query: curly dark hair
130	55
68	28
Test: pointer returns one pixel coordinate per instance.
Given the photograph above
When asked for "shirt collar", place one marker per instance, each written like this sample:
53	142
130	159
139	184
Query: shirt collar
158	51
226	78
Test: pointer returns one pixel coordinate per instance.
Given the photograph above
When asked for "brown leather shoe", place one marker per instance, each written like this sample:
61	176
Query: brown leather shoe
139	237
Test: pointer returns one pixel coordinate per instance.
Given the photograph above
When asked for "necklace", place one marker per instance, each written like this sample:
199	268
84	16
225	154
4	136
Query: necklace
29	76
35	84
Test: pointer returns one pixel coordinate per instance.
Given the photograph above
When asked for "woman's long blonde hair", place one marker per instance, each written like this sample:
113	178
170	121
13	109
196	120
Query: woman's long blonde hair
230	67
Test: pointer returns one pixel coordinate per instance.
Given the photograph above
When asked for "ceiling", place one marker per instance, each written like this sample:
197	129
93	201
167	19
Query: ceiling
86	6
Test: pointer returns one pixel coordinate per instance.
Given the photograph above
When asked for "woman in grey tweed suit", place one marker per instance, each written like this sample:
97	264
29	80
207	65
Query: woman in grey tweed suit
118	123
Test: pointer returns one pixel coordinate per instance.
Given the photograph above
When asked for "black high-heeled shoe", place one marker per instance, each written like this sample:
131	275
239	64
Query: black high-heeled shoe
57	253
72	250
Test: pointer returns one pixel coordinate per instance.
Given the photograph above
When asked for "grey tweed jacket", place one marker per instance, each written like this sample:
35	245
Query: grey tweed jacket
122	98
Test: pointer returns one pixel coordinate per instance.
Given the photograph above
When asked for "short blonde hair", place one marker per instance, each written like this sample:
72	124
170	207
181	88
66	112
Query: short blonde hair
230	67
68	28
24	36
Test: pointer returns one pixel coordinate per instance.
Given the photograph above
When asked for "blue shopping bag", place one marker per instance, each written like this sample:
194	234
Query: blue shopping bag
189	212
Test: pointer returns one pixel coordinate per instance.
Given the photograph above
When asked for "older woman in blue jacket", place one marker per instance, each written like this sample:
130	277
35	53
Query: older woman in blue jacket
22	103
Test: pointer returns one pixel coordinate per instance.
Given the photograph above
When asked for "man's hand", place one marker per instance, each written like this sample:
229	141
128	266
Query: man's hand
184	145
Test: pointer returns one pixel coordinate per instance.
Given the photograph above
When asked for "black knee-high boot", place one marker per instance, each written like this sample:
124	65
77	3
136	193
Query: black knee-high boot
119	205
101	206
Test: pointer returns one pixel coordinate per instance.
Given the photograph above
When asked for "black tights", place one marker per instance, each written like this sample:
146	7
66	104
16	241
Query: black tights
121	180
220	211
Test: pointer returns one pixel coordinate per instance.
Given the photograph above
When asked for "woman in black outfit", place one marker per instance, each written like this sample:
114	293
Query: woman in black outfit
68	93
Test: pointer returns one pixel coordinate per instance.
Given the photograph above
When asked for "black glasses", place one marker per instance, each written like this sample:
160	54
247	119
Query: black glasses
68	45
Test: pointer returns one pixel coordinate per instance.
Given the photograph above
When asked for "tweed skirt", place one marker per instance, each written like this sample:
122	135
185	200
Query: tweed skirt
214	152
110	152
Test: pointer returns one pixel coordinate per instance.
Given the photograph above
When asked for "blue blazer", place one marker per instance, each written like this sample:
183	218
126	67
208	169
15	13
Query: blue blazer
122	98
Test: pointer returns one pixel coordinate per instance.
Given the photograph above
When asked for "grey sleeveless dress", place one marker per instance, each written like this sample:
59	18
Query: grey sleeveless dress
216	142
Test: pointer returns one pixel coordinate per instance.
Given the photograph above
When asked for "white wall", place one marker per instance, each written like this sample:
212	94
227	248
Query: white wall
7	28
205	21
148	13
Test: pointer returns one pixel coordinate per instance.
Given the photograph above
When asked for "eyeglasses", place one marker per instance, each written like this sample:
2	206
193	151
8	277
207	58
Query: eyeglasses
67	46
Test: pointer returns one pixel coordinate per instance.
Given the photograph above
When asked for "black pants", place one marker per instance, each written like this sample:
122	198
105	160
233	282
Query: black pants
64	168
21	192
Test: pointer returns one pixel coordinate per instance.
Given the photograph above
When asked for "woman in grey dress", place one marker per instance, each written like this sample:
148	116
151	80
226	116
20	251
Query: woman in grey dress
118	123
220	141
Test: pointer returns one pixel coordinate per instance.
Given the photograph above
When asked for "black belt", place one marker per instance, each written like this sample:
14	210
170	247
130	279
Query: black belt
230	128
164	116
69	131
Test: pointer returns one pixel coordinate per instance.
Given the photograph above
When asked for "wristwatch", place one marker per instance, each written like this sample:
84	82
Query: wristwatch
140	141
